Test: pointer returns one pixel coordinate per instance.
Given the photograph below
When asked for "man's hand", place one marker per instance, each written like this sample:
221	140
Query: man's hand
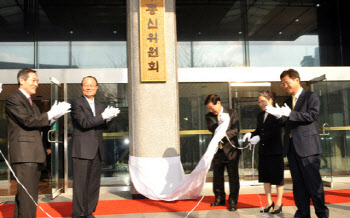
286	110
246	136
48	151
224	117
58	109
254	140
110	112
62	109
275	111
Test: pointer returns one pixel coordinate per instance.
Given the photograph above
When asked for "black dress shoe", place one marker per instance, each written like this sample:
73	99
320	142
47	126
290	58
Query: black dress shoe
217	203
279	210
267	209
232	206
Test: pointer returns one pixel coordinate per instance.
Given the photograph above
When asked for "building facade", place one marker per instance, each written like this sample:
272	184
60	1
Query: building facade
234	48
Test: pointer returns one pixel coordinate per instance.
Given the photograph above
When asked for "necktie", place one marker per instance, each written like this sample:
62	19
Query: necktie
220	144
293	102
30	101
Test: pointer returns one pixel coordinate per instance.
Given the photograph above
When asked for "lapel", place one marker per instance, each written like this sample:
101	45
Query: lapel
87	105
289	102
25	100
98	109
300	100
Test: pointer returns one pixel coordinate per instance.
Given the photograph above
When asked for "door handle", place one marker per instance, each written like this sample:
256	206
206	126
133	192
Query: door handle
49	133
324	129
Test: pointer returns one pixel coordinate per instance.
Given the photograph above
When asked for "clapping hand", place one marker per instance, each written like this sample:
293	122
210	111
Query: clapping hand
286	110
58	109
275	111
110	112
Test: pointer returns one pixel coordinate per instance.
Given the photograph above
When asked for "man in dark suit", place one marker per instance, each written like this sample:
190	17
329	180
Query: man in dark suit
27	153
89	120
226	156
302	144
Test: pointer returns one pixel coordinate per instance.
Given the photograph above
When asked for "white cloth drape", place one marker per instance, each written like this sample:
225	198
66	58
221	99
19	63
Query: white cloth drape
164	178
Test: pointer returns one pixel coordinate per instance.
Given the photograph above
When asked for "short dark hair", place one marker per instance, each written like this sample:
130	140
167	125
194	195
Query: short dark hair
293	74
268	95
89	77
212	98
24	74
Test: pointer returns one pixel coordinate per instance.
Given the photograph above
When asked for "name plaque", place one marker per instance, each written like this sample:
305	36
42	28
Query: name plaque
152	41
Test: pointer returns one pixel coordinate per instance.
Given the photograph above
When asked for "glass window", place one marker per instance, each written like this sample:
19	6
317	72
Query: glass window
54	55
16	55
99	54
302	52
281	34
82	34
211	36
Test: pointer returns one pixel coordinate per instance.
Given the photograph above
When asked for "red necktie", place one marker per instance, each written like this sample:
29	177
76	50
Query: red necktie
30	101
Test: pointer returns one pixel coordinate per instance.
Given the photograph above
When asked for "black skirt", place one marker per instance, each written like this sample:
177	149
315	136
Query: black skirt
271	169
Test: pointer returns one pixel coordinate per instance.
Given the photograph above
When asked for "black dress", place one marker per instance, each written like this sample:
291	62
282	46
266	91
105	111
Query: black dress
271	165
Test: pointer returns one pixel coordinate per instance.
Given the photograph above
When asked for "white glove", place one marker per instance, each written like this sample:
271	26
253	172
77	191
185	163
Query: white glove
62	108
58	109
110	112
106	113
0	87
254	140
224	117
53	111
275	111
246	136
114	112
286	110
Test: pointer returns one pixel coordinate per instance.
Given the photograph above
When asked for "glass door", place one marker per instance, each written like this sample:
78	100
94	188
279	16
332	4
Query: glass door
56	138
319	86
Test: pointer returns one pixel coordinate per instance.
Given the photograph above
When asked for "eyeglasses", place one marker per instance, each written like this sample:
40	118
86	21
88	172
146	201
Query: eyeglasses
89	86
286	83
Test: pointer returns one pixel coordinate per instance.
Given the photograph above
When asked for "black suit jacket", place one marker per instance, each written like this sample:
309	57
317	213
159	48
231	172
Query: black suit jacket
302	124
270	134
24	126
87	138
232	132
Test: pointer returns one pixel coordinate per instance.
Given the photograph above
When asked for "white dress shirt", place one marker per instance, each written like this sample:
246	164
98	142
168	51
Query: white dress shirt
92	105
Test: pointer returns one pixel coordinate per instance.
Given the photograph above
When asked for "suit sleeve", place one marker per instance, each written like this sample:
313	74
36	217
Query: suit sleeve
79	116
311	115
257	130
234	130
212	124
19	113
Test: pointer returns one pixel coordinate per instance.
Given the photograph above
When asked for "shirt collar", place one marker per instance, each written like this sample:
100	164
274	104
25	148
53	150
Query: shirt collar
222	110
298	93
25	93
90	101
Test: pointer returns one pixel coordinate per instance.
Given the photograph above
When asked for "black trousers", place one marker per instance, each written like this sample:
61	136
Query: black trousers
86	186
307	183
29	175
220	161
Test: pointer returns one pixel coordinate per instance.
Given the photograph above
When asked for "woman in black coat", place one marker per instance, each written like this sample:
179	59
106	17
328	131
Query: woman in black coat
271	165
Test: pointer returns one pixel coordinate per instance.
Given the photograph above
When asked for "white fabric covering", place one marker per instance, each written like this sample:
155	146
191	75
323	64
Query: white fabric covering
164	178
